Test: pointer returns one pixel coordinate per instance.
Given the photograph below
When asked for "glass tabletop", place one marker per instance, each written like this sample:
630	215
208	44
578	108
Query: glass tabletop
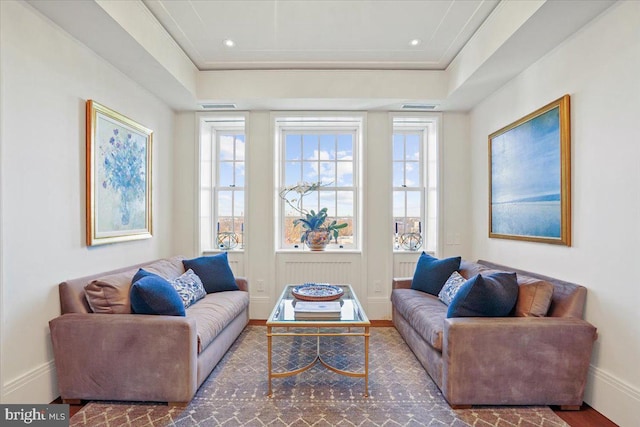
351	312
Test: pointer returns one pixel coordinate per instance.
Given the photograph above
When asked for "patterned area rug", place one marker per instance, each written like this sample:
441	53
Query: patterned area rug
235	394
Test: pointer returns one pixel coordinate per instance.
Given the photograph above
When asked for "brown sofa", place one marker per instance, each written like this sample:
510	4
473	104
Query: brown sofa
136	357
512	360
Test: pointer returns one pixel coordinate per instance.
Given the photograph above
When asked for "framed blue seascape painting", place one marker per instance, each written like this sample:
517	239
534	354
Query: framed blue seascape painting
118	177
529	177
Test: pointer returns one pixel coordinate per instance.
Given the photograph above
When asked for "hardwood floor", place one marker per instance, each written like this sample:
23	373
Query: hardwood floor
73	409
585	417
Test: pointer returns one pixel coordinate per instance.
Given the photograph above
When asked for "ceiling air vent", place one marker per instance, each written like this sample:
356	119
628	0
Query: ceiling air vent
419	106
218	106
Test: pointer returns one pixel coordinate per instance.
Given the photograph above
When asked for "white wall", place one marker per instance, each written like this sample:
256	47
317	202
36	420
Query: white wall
185	175
46	77
599	67
456	176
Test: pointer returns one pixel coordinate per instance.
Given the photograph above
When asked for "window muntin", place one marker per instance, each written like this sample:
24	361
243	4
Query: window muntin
408	183
320	151
230	188
222	181
414	181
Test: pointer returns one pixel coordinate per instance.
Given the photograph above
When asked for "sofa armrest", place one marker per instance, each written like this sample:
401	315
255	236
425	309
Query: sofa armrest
516	360
401	282
242	283
125	357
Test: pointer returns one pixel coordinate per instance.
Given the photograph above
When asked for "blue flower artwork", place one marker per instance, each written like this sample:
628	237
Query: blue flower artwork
120	174
124	171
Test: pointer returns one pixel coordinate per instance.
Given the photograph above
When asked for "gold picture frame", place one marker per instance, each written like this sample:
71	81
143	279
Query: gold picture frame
530	177
118	180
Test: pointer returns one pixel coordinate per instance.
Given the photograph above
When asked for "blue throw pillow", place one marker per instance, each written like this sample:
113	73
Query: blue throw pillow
493	295
214	271
140	274
432	273
154	295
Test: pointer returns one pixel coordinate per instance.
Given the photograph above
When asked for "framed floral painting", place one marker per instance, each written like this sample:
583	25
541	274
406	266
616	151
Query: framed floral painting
118	177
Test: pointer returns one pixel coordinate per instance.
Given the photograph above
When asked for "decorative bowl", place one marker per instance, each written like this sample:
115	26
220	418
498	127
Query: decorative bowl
317	292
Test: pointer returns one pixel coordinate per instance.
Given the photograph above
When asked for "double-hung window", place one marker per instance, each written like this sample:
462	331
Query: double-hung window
322	151
415	184
222	195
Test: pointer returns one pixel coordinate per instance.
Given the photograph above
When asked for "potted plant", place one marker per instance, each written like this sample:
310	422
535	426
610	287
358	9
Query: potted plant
316	234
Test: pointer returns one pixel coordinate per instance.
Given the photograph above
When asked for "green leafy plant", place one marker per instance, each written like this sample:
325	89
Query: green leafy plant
314	222
311	220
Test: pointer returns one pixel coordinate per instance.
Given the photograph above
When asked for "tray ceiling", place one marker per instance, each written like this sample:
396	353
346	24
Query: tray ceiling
371	34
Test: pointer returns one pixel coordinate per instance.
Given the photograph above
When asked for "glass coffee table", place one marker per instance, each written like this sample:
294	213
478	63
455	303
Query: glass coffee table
352	321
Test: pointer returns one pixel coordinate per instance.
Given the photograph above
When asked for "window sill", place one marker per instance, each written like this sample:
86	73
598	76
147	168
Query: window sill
219	251
326	251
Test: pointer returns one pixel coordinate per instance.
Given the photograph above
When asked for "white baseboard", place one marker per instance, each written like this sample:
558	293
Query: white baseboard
612	397
38	386
378	308
260	307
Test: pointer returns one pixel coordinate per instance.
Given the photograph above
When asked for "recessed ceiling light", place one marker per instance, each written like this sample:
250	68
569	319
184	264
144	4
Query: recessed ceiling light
229	43
414	42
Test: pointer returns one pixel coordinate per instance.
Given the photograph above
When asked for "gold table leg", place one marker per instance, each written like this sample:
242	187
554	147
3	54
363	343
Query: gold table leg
270	393
366	361
318	358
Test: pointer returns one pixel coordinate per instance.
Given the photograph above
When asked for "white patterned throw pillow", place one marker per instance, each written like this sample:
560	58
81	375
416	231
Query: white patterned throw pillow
450	288
189	287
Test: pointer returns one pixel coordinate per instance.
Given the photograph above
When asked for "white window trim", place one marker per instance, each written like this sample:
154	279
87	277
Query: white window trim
431	123
422	170
209	124
351	121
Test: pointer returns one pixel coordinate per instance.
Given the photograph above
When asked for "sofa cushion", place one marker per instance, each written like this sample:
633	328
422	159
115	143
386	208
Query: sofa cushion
140	274
110	294
189	287
153	294
432	273
169	268
424	312
451	287
534	297
214	312
485	296
469	269
214	271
